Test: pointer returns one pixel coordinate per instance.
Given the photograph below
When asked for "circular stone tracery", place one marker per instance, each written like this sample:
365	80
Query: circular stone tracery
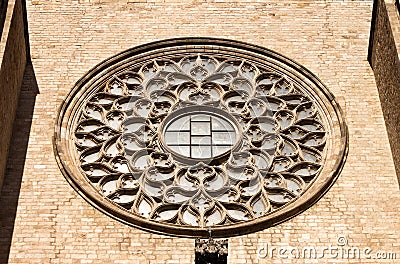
188	135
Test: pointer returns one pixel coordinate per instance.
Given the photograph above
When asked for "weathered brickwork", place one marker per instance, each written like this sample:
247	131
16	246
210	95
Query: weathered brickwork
12	65
53	224
384	58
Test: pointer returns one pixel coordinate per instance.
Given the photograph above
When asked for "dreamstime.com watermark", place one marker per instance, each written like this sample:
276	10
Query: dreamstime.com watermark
340	250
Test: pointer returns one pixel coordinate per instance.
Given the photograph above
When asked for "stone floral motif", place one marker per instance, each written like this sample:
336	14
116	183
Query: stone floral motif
118	140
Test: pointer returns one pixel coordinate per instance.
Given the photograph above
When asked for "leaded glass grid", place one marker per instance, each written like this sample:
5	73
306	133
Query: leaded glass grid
200	135
184	138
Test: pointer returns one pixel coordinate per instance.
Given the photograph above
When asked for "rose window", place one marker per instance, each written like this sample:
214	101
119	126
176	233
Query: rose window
182	136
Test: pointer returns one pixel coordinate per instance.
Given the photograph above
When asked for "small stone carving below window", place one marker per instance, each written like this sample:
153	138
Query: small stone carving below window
211	251
184	135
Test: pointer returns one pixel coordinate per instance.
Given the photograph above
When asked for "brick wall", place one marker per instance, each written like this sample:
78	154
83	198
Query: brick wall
53	224
13	60
384	59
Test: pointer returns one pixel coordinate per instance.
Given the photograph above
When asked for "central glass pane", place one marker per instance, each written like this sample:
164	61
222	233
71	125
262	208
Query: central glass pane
200	135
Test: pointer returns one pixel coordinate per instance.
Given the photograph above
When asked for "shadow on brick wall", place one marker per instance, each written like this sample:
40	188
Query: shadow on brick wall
16	161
